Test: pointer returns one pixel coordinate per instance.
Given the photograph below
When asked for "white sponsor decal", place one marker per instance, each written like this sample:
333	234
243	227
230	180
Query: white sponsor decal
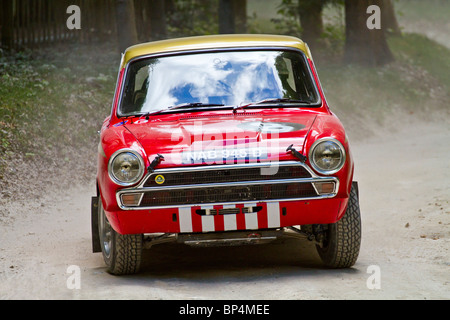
223	155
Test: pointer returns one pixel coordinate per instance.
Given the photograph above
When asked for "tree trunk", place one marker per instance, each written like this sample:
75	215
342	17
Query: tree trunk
169	7
126	26
158	20
388	18
226	17
240	13
310	12
140	16
7	18
363	45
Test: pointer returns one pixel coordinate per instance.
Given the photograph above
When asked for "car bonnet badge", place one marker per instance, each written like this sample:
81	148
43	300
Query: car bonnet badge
159	179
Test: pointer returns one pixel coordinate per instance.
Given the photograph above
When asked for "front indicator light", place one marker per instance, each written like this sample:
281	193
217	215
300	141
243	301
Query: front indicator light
131	199
324	187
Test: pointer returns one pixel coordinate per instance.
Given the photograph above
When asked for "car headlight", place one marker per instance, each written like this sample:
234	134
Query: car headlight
126	167
327	156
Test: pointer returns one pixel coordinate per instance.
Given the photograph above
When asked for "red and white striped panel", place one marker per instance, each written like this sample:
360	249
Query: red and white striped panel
268	217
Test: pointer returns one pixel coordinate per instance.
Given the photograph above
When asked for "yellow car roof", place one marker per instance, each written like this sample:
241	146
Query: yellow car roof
213	41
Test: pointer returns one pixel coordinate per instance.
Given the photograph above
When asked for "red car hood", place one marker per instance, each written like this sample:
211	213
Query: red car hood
222	139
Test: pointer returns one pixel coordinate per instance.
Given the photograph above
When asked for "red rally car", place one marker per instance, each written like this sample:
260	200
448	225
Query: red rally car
222	140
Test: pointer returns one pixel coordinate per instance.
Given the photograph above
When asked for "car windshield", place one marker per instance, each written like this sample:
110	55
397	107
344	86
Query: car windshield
225	78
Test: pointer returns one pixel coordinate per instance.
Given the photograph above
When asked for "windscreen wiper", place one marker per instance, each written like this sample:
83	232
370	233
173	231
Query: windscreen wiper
195	105
281	100
272	100
183	106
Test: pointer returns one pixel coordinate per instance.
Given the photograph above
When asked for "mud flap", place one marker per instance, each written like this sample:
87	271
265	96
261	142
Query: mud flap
94	225
355	186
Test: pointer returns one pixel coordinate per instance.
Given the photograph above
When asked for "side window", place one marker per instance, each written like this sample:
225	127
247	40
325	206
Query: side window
140	87
305	87
135	89
141	77
285	69
290	80
295	80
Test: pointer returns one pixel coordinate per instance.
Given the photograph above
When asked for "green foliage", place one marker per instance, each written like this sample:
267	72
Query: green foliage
332	40
288	22
193	17
333	36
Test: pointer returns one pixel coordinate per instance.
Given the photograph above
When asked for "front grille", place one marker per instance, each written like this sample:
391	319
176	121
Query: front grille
228	175
224	194
226	184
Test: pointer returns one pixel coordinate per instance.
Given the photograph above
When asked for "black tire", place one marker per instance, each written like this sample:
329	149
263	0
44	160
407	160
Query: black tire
122	253
343	239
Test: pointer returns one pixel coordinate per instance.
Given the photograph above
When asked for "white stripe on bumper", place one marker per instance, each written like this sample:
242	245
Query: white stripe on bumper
185	218
230	220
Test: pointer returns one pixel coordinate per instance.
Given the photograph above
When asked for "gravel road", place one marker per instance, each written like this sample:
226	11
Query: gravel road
404	182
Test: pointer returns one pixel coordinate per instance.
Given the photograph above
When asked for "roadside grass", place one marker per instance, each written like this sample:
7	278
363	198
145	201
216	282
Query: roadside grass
420	51
416	83
52	103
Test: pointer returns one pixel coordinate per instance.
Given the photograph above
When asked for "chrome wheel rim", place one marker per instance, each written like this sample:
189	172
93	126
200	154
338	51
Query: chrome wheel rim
105	231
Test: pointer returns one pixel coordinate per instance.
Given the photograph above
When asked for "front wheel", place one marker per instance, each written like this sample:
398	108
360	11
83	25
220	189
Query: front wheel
342	240
122	253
